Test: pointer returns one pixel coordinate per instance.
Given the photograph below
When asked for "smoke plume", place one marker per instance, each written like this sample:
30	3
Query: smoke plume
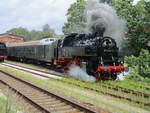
122	76
77	72
101	15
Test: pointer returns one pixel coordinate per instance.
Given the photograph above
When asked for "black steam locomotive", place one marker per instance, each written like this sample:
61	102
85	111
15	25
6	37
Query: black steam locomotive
96	54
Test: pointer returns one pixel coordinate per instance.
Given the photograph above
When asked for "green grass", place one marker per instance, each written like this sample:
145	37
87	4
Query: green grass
7	105
71	92
130	84
114	84
99	86
107	90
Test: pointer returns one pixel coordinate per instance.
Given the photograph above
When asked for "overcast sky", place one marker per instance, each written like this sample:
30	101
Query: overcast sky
33	14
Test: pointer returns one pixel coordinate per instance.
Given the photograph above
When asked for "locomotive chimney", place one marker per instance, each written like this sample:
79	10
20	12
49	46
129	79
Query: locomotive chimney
98	29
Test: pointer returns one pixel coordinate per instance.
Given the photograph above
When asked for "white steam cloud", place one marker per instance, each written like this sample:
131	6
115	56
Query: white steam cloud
102	15
77	72
122	76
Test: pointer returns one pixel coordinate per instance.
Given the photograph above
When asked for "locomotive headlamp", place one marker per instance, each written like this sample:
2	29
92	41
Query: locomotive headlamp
105	69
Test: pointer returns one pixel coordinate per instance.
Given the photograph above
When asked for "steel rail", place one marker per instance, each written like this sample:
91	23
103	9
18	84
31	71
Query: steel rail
80	106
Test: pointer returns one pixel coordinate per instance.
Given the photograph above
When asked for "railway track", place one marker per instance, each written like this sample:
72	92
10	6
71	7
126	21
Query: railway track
109	86
125	90
56	74
46	100
114	95
34	71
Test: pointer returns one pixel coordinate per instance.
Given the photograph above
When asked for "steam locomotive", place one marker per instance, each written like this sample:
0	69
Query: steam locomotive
95	54
3	51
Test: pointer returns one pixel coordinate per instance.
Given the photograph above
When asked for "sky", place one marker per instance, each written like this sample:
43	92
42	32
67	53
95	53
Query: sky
33	14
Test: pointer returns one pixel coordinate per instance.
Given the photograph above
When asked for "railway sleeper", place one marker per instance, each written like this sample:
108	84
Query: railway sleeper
63	108
54	102
41	100
68	111
47	105
57	105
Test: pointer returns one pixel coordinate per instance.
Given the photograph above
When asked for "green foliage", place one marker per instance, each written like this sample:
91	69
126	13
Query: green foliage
34	34
47	31
37	35
131	61
137	20
134	74
19	31
144	63
140	66
75	17
76	20
7	106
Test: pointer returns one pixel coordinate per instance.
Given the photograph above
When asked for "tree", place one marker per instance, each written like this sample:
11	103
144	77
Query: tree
46	28
19	31
47	31
137	20
75	17
34	34
76	20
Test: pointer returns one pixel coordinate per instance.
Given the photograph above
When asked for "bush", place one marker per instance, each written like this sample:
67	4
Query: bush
140	66
134	74
131	61
144	63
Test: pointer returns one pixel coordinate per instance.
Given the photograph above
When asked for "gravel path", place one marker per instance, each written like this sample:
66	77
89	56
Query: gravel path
33	71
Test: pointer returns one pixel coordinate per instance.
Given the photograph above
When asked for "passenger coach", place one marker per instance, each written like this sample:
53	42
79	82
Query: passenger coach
3	51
